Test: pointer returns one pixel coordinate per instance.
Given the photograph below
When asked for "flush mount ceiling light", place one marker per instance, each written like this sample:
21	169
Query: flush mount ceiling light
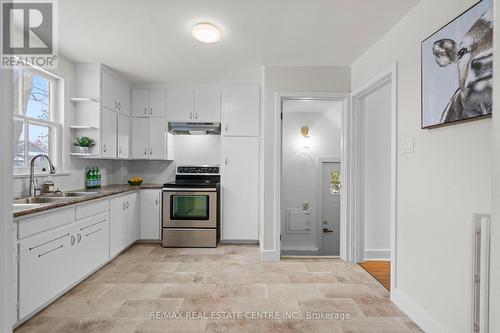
206	32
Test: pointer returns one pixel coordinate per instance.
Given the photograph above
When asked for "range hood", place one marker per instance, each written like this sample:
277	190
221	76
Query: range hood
181	128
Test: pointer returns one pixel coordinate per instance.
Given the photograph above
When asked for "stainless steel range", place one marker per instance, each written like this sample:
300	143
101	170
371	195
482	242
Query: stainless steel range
191	207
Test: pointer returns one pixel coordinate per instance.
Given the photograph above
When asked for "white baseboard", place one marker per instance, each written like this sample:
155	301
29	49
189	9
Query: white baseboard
416	313
269	255
377	254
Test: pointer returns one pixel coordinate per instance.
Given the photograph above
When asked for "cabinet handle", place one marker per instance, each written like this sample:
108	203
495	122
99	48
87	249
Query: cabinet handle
72	240
156	202
196	115
50	251
89	226
128	204
146	110
116	105
104	148
123	208
190	115
119	106
226	127
79	238
50	241
150	151
150	111
145	151
226	161
93	232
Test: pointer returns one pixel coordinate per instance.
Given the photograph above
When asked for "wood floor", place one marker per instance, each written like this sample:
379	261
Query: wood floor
380	270
211	288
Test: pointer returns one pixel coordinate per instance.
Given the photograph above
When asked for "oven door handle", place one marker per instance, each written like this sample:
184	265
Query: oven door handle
170	189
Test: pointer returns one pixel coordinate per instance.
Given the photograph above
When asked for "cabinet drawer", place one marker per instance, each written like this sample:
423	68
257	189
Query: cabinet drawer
92	208
34	225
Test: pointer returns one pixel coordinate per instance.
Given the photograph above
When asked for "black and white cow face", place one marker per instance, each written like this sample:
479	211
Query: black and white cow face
474	59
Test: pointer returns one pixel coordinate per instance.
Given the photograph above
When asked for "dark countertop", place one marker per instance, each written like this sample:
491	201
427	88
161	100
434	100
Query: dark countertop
104	191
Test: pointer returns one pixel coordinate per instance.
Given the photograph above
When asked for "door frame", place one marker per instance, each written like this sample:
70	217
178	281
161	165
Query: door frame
345	98
321	162
388	76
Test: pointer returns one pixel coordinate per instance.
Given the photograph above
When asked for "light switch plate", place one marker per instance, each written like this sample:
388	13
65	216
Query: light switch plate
305	206
408	146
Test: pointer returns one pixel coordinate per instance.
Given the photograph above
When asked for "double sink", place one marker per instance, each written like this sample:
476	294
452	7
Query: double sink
35	202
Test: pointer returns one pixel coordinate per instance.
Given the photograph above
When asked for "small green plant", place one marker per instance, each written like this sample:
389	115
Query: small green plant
335	177
84	141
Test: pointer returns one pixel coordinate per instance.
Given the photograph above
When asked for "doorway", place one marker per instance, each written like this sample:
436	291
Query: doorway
311	202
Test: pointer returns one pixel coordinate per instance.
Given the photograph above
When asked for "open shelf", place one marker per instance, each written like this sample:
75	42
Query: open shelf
84	99
82	127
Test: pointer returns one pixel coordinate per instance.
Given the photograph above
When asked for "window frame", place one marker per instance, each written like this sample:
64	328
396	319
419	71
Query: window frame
54	123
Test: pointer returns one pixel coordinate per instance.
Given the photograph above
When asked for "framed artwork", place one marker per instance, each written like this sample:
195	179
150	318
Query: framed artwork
457	69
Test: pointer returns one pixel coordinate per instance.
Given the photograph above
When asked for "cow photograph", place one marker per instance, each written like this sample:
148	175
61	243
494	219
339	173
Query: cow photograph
457	69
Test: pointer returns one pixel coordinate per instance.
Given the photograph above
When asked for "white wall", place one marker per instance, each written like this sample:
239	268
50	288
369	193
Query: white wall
300	165
495	200
376	121
288	79
197	149
440	185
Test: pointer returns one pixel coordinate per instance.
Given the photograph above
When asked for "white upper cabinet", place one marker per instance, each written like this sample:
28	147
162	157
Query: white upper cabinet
108	133
157	139
207	103
140	145
180	104
115	93
123	136
148	102
241	110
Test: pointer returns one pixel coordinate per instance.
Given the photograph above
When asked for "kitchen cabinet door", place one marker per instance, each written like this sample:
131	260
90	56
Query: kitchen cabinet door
108	133
157	102
123	136
140	102
92	244
108	90
240	188
207	103
157	139
180	104
150	215
118	226
241	110
132	216
46	267
123	98
139	138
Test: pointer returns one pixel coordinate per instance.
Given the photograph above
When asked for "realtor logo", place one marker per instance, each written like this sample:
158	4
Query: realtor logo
28	33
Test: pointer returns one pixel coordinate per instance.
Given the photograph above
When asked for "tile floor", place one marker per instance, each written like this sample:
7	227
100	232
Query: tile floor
226	281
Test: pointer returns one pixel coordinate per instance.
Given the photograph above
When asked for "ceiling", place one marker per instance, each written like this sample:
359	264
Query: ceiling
150	40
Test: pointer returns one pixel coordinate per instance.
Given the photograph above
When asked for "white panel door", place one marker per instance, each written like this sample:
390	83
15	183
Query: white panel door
92	244
240	188
150	215
180	104
140	102
157	139
157	102
139	140
123	136
46	267
240	110
207	103
108	133
123	98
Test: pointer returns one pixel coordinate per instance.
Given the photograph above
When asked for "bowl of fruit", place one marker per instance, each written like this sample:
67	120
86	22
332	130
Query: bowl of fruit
135	181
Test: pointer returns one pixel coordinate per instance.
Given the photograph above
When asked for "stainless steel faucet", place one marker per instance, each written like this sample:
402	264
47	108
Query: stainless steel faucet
32	190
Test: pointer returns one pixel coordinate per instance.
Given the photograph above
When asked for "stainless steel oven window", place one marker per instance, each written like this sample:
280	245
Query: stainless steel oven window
189	207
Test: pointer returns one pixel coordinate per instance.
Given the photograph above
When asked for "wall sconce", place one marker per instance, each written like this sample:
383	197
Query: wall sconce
306	139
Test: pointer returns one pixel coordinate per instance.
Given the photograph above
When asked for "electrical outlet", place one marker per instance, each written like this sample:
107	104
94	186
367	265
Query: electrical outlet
408	146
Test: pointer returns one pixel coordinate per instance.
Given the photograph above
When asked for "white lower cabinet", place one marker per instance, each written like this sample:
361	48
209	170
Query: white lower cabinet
92	244
124	224
150	212
240	188
46	267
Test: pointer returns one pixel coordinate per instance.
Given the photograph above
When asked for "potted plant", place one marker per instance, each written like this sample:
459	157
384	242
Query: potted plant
83	143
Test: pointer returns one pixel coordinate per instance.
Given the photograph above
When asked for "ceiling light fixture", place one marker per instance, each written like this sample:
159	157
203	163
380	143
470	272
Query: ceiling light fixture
206	32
